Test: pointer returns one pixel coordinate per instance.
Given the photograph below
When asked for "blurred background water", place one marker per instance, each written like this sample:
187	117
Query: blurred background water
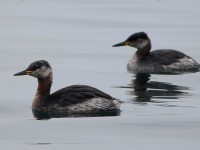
76	37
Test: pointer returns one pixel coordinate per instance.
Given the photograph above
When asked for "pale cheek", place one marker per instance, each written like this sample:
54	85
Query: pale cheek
46	73
42	73
36	74
142	44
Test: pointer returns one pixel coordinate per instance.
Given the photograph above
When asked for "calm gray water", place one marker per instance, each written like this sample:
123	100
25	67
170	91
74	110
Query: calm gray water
76	37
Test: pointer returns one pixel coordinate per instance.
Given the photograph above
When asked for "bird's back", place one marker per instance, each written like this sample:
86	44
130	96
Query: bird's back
80	98
164	61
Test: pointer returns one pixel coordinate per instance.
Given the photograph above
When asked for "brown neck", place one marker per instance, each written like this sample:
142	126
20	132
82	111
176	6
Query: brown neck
144	51
43	90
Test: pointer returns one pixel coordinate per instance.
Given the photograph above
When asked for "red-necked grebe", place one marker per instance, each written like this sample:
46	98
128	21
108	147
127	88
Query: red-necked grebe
158	61
71	99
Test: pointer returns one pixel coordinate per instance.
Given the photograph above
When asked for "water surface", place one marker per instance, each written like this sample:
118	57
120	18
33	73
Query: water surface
76	37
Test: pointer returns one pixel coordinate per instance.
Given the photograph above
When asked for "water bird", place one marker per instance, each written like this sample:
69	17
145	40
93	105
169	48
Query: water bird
161	61
74	99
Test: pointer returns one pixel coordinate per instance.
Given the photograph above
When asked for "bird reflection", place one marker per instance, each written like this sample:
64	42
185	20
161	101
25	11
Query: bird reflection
153	91
40	115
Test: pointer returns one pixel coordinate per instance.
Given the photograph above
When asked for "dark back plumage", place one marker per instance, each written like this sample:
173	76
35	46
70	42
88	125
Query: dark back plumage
74	94
166	56
157	61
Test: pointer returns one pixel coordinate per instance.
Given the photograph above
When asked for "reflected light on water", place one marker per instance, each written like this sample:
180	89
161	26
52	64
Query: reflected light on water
144	90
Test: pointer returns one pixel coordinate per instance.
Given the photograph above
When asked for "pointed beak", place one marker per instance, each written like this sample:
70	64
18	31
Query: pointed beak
25	72
121	44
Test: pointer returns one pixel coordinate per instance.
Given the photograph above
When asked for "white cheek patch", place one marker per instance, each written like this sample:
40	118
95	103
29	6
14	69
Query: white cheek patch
42	72
143	44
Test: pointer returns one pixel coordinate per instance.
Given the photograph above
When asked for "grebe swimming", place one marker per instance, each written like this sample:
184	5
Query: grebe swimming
158	61
71	99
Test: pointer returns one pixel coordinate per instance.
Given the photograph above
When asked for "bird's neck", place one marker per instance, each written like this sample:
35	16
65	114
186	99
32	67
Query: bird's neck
43	90
144	51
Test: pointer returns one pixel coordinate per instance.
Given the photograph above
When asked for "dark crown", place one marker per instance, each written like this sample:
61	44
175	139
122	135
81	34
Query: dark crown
138	35
38	64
